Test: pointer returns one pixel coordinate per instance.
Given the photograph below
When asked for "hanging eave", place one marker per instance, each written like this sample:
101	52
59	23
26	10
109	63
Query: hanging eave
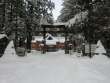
55	25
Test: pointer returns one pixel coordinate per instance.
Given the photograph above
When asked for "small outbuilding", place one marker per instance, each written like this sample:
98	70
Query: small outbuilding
51	42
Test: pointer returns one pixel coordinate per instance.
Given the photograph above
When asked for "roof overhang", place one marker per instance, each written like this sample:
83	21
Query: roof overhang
62	25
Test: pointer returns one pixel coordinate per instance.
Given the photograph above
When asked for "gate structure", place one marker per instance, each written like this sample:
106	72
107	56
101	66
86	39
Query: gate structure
61	28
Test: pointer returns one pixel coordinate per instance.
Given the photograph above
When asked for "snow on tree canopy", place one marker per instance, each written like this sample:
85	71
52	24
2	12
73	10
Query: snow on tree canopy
2	36
77	18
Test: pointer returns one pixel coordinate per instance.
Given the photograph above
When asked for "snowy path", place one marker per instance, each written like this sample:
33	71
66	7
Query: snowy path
53	68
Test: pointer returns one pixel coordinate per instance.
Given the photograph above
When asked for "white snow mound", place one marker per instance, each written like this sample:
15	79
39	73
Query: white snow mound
10	51
100	48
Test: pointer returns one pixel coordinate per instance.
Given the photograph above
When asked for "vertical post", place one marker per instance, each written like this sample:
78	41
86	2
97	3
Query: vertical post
90	49
44	40
16	26
90	9
66	42
25	30
83	48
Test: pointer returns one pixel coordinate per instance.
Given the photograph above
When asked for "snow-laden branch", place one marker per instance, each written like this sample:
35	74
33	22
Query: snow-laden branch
78	18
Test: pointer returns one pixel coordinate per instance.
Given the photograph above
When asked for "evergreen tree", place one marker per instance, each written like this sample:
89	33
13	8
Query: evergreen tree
22	17
98	15
36	9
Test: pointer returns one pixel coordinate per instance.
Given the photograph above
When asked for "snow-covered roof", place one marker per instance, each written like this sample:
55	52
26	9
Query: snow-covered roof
61	39
59	23
44	21
37	38
40	38
77	18
49	35
50	40
2	36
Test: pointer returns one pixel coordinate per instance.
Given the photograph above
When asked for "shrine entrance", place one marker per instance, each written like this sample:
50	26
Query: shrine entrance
54	28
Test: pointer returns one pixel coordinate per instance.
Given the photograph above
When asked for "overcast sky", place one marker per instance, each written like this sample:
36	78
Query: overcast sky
58	7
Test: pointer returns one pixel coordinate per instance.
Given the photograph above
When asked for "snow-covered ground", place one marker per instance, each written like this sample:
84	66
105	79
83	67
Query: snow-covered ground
53	67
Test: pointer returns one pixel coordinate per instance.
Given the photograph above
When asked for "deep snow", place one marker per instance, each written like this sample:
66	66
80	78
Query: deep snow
53	67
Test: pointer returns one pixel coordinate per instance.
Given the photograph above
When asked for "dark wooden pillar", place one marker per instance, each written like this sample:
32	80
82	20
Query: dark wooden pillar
90	48
66	41
44	40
